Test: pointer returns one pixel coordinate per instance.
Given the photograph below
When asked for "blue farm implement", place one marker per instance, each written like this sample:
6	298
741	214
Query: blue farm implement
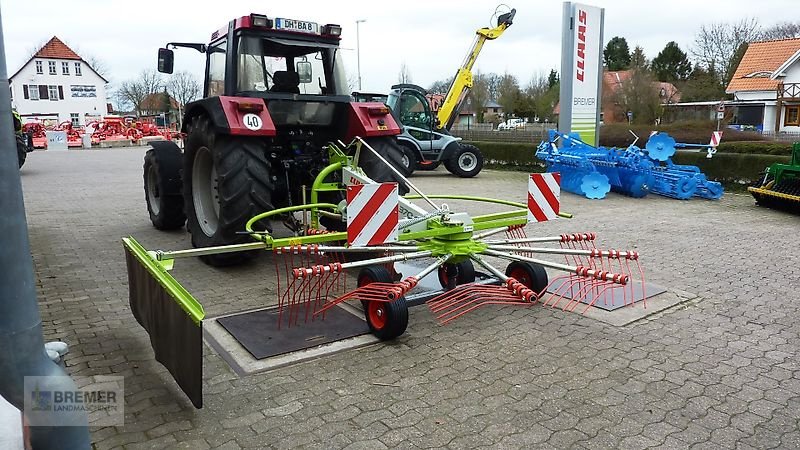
594	171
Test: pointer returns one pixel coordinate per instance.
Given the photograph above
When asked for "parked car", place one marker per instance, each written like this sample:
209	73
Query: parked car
511	124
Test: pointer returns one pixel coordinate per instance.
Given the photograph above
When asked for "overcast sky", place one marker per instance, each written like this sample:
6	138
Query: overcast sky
431	37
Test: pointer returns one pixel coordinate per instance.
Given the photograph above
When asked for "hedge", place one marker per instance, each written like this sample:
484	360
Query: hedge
730	167
696	132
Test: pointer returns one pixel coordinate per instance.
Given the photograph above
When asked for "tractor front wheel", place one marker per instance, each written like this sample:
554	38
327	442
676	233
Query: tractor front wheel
162	186
408	160
226	182
466	162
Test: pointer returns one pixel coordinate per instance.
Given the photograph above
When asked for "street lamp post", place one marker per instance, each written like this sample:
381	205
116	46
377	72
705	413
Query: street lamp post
358	51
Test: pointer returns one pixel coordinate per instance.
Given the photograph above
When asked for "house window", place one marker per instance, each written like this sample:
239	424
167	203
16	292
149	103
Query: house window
52	66
52	92
64	68
73	117
39	68
78	69
33	91
792	117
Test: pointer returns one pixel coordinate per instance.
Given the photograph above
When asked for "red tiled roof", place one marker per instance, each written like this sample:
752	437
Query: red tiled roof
55	49
765	56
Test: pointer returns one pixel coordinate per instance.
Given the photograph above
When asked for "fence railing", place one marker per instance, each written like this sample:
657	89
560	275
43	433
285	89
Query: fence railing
783	136
529	133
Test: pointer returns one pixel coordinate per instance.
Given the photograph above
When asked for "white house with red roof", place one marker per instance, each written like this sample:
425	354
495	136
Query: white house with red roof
766	86
56	84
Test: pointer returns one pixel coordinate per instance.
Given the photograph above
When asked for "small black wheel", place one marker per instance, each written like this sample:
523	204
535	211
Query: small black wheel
408	160
387	320
466	162
533	276
452	275
163	186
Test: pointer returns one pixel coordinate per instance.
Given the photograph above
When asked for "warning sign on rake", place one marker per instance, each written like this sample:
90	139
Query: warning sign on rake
372	214
544	190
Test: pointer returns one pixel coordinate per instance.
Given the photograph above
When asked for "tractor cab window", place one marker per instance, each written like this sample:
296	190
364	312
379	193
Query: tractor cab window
415	110
271	65
216	69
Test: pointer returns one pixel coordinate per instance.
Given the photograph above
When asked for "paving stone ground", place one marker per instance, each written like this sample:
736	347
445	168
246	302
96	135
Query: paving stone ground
720	372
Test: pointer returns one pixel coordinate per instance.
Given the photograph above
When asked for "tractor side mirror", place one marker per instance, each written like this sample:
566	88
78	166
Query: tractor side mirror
304	72
166	60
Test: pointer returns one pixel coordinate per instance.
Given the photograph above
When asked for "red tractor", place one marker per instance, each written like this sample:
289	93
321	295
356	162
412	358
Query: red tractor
275	95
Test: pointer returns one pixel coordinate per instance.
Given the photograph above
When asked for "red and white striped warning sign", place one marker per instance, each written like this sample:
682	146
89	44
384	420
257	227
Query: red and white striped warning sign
544	190
372	214
716	136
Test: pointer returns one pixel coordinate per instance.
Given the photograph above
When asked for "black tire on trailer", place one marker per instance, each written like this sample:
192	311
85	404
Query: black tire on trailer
22	149
163	186
408	159
452	275
226	181
466	162
533	276
391	151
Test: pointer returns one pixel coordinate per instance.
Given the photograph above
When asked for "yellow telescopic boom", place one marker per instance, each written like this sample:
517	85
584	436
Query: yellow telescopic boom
462	82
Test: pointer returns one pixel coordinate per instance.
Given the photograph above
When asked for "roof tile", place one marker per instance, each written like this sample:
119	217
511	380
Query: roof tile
764	56
55	49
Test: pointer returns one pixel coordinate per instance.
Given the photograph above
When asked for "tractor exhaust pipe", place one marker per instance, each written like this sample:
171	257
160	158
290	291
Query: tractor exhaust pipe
22	351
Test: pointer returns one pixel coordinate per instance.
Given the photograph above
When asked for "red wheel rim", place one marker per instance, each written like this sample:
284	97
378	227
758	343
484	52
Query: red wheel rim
522	276
376	312
445	280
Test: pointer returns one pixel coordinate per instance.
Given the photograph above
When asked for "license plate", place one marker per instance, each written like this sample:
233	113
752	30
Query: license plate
298	26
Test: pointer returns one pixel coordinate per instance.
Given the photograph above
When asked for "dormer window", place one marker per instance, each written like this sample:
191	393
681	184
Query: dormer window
759	74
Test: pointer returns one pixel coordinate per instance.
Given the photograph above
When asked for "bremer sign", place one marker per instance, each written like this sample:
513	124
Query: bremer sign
582	39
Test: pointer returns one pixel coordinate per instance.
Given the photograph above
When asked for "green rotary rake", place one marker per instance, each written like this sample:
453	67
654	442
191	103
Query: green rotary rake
319	268
312	276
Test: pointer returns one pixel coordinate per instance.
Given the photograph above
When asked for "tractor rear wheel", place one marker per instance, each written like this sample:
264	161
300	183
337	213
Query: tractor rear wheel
391	151
163	185
466	162
226	182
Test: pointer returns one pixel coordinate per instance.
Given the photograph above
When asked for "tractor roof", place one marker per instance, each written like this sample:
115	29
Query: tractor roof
277	27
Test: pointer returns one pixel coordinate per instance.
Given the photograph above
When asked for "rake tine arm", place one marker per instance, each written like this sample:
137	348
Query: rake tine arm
301	272
562	238
579	270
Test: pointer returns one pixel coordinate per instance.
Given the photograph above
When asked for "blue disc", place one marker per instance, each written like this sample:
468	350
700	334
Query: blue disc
660	147
595	185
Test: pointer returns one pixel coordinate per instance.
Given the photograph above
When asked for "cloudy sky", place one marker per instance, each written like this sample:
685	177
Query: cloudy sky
430	37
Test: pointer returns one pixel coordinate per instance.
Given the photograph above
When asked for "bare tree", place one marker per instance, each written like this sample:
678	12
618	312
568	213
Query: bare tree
782	30
184	87
405	74
98	65
133	93
509	94
479	94
715	45
441	86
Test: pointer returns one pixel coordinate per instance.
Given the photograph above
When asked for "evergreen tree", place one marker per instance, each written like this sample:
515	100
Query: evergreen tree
616	55
671	64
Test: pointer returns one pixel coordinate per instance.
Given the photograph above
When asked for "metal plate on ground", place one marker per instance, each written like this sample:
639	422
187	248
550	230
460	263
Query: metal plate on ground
610	299
257	331
429	286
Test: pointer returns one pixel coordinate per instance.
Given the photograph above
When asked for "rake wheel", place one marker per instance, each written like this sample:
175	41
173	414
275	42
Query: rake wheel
387	320
533	276
452	275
